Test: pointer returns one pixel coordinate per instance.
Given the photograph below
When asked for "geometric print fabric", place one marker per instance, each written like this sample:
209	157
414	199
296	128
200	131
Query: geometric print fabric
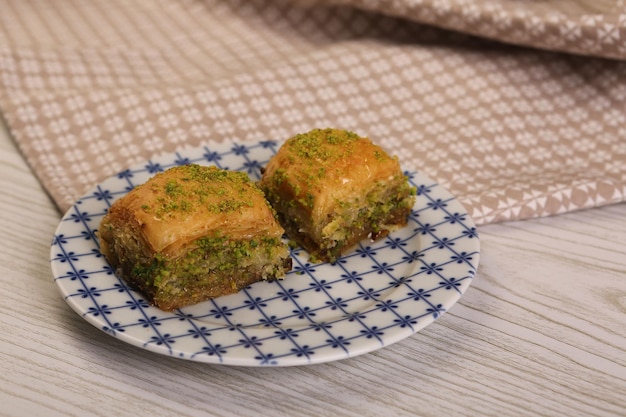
512	132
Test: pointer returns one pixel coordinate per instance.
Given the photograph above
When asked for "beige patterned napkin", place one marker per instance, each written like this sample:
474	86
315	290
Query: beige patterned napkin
517	107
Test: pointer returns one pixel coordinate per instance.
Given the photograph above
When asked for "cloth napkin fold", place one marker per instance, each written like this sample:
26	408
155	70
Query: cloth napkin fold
518	108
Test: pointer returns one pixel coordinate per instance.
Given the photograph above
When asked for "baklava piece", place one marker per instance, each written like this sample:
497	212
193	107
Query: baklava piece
193	233
332	188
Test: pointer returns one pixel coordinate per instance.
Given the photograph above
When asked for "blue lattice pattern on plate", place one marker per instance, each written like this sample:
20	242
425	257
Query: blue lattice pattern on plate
376	295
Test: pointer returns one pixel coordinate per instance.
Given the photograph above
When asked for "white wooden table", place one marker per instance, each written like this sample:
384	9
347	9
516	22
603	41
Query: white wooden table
541	332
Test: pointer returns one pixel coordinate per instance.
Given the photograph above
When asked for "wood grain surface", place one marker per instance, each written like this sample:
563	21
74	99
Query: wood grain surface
541	332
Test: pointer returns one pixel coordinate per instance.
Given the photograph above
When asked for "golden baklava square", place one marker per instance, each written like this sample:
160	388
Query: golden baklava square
192	233
332	188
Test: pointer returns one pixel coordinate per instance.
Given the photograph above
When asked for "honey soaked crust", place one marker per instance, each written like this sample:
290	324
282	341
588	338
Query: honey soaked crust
331	188
327	159
186	202
193	233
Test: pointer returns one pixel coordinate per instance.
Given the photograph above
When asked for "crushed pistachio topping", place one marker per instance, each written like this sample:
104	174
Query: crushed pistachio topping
192	186
313	145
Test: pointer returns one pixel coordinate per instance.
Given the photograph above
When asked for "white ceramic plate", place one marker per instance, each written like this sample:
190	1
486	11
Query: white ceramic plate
377	295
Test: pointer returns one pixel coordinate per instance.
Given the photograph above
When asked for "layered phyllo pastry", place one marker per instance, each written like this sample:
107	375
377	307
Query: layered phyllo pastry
193	233
332	188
